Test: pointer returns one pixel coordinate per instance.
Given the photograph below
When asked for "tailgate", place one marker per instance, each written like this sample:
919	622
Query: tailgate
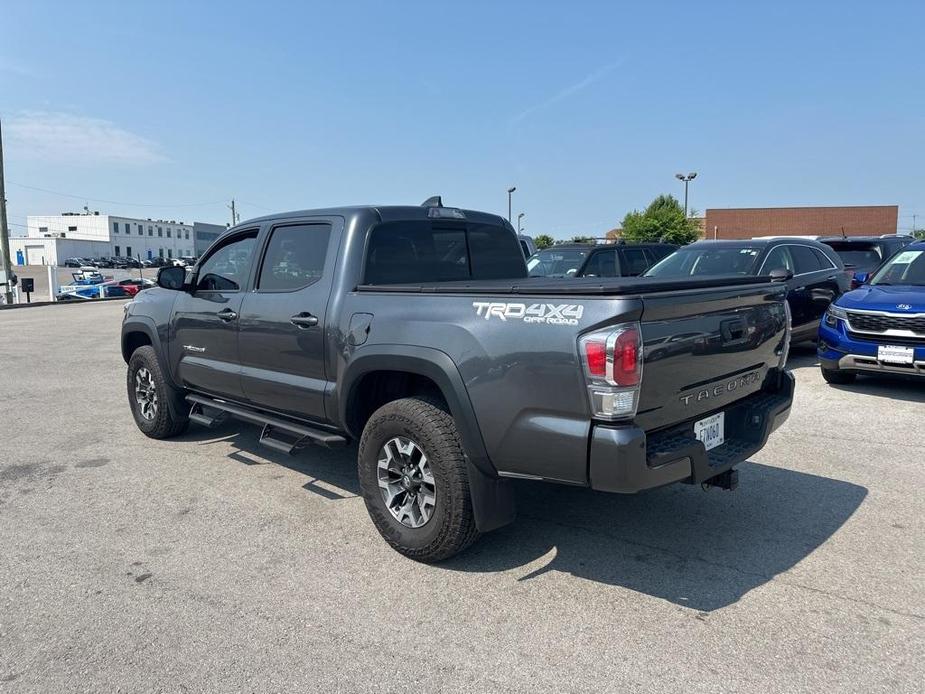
706	348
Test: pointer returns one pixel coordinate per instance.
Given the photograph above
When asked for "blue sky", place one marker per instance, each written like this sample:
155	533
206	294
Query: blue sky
588	108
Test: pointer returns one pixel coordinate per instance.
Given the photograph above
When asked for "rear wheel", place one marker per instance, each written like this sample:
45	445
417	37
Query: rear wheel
413	475
837	376
149	394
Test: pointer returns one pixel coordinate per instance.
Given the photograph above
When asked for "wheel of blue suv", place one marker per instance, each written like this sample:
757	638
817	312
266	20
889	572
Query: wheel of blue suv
148	393
413	475
837	376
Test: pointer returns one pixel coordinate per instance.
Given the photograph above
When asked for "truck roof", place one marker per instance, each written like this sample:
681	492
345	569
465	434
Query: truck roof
385	213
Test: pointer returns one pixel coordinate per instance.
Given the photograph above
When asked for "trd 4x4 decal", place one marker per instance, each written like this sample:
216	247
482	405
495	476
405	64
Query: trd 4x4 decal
550	314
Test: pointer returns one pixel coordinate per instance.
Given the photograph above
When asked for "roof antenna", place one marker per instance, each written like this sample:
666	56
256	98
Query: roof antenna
434	201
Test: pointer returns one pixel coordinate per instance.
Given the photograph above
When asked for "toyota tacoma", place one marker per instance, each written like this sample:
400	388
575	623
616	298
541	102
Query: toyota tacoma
417	332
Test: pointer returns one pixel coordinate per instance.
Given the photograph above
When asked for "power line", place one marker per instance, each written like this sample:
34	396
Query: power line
116	202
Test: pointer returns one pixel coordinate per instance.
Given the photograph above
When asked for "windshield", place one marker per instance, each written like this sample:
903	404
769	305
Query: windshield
906	267
707	260
863	257
553	262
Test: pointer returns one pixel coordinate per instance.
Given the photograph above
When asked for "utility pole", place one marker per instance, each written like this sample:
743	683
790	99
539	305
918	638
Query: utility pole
510	192
5	232
519	226
235	217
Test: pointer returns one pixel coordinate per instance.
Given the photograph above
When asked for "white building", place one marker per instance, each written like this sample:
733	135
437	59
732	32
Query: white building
50	240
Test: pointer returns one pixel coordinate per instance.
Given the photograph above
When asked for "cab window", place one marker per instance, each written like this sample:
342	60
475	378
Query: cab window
226	269
294	257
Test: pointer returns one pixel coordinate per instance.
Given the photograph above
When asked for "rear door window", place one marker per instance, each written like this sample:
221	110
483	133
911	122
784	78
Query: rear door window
634	262
804	260
602	264
294	257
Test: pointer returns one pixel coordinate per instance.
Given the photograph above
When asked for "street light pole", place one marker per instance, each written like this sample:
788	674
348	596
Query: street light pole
519	227
510	191
687	179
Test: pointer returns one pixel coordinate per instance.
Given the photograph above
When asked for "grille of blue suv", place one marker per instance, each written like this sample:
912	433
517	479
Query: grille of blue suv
879	323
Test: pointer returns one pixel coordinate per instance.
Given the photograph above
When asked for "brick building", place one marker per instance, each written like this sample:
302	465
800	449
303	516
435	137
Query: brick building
746	222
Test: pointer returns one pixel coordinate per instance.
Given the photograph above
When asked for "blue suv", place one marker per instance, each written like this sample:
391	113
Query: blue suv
880	327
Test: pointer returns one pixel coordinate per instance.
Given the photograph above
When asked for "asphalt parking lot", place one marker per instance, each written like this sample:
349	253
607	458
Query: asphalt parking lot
208	563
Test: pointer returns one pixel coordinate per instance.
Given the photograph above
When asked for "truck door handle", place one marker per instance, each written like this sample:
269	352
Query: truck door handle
227	315
304	320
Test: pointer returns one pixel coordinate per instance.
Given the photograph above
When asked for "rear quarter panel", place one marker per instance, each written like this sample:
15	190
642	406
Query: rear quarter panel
520	366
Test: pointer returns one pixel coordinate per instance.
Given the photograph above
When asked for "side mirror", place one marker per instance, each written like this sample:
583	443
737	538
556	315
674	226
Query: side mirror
859	279
780	274
171	277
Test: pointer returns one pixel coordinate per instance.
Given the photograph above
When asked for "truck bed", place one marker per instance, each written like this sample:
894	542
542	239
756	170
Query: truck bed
573	286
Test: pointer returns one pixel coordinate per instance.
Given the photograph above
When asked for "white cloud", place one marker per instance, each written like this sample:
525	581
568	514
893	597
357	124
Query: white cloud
63	137
13	67
587	81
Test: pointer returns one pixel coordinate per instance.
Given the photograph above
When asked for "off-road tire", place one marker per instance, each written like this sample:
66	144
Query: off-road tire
165	423
451	527
838	377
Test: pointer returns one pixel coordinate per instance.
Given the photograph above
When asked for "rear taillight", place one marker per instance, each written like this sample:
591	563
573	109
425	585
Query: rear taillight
612	362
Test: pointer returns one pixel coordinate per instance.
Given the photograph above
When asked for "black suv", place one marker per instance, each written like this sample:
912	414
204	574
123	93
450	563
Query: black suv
816	275
604	260
623	259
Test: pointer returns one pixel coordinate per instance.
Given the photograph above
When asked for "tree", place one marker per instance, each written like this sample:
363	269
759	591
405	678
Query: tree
543	241
663	220
582	239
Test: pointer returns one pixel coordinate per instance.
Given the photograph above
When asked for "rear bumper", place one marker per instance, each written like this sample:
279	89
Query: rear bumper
623	459
840	351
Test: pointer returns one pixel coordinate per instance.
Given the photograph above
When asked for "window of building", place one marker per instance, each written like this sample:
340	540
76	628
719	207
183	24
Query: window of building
168	232
115	227
186	234
69	229
160	231
294	257
115	251
128	251
43	230
160	252
141	230
170	253
128	228
150	231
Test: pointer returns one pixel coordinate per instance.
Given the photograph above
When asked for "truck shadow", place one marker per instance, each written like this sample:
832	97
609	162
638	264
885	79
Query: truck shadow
700	550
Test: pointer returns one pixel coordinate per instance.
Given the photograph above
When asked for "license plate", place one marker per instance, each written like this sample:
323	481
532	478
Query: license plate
711	431
894	354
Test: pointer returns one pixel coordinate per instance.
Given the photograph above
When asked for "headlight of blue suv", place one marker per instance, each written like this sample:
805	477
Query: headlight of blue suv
834	314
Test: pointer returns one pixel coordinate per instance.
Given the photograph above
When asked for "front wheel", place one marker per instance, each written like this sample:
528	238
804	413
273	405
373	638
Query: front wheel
837	376
148	396
413	475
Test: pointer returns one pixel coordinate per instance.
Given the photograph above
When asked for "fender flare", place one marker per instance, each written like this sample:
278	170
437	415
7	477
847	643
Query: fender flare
492	496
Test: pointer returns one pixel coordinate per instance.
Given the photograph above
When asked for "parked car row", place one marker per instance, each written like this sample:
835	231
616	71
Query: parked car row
123	263
862	299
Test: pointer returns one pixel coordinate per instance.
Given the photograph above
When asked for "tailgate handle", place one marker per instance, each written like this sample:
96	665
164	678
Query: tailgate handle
732	330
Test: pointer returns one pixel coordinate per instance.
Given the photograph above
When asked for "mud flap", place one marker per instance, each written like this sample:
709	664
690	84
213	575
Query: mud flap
492	500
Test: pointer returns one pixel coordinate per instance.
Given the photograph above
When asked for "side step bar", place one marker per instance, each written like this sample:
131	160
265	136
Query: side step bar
278	434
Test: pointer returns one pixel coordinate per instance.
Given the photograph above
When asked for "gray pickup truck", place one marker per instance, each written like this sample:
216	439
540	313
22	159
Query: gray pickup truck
416	331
